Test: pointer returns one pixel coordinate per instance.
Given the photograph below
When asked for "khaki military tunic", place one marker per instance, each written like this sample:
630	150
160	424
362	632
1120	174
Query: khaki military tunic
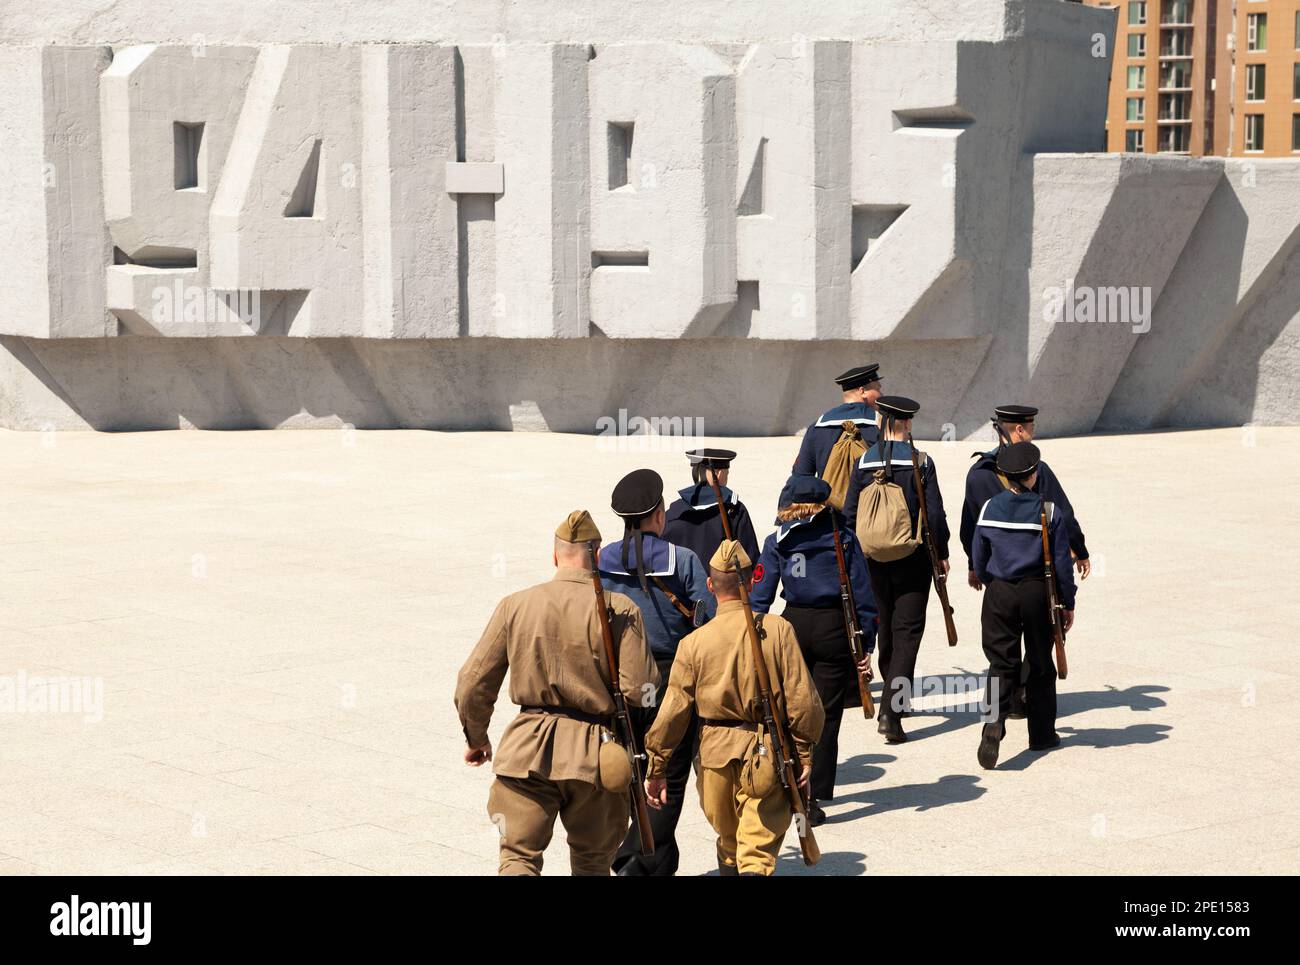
549	637
714	672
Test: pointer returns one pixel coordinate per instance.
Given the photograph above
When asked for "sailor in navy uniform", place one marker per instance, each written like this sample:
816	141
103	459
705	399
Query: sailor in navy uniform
800	556
693	519
1015	423
902	587
861	388
1008	558
670	586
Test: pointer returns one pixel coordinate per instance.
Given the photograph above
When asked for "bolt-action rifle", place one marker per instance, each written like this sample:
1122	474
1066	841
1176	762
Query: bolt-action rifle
621	720
851	627
778	731
940	578
1055	610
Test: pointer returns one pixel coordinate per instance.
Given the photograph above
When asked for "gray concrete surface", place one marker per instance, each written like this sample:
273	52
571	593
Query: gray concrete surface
276	620
560	183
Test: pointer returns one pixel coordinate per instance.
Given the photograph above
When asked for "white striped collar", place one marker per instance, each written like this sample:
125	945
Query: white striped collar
614	566
787	528
706	492
879	463
1005	524
828	417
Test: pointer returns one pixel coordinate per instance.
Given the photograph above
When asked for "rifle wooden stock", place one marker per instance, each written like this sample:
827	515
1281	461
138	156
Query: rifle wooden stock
778	732
936	567
1053	602
722	509
621	721
851	621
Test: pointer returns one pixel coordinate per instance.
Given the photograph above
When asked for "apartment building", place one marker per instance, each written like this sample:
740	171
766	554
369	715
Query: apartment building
1204	77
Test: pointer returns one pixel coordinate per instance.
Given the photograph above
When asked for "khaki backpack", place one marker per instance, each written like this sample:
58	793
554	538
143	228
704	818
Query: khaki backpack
884	525
846	452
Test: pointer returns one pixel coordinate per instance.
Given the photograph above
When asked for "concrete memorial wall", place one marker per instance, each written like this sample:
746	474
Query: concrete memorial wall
544	214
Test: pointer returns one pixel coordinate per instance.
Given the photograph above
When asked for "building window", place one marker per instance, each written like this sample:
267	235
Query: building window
1175	75
1137	109
1176	43
1174	107
1137	78
1137	45
1295	82
1295	132
1254	132
1133	141
1257	31
1177	12
1137	13
1176	138
1254	82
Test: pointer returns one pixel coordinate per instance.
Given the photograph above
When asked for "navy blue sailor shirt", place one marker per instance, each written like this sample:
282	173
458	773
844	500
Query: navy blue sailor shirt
693	522
900	473
1008	542
678	568
820	437
982	484
800	556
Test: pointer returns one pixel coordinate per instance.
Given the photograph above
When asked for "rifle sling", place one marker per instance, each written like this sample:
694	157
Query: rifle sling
918	487
689	613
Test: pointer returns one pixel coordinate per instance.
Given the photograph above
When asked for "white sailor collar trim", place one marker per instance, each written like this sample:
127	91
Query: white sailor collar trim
615	568
1006	524
822	420
880	463
731	501
786	529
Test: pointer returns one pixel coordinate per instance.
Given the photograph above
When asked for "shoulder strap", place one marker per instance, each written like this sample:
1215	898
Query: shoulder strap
722	511
918	487
681	608
1006	483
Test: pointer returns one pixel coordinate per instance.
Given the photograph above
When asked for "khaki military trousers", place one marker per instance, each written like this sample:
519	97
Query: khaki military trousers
524	811
750	829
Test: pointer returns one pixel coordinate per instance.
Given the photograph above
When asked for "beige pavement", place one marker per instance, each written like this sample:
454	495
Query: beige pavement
276	619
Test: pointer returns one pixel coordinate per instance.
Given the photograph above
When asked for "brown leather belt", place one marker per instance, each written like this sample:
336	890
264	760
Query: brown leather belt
568	712
735	724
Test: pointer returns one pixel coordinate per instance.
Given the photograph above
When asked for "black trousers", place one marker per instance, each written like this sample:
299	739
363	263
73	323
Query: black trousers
663	821
902	589
825	646
1012	611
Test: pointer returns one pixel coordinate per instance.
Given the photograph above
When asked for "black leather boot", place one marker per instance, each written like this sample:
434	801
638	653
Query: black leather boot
990	740
892	728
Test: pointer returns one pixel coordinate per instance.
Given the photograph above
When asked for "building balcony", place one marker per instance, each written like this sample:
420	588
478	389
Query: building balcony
1173	120
1171	55
1174	90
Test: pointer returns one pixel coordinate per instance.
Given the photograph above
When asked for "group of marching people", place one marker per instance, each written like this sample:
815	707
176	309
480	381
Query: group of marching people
861	538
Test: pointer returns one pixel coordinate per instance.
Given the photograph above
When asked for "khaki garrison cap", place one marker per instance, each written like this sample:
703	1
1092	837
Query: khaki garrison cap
728	551
578	528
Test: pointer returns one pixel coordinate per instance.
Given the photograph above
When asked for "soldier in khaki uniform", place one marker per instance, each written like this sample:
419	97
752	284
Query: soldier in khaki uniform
714	674
549	636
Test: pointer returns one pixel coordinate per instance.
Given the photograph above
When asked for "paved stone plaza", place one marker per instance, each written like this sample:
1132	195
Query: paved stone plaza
276	620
